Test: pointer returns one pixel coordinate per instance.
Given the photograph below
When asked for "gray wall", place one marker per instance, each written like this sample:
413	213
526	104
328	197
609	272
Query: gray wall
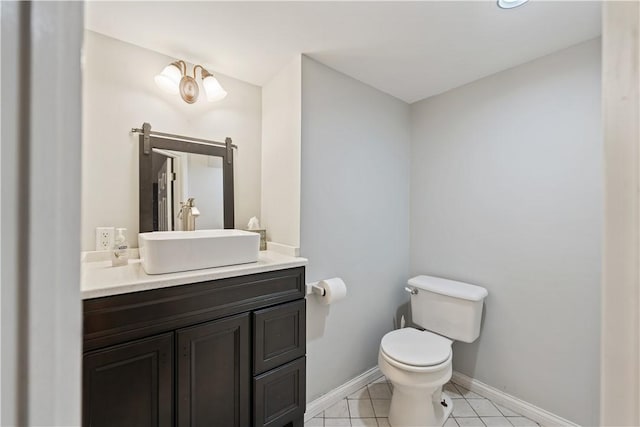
506	192
354	219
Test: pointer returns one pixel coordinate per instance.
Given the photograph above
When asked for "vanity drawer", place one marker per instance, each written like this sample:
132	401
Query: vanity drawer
120	318
279	335
279	396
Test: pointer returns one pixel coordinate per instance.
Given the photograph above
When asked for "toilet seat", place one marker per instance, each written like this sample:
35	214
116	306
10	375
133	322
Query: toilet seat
415	349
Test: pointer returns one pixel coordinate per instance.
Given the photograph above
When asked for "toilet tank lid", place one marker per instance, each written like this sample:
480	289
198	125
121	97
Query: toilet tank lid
450	288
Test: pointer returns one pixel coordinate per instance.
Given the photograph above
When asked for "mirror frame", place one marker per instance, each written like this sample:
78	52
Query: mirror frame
145	195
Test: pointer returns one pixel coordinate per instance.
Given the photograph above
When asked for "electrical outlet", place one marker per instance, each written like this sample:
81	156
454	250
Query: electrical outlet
104	238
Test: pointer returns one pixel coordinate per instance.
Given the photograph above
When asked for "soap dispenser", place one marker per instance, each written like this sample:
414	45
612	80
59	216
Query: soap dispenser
120	253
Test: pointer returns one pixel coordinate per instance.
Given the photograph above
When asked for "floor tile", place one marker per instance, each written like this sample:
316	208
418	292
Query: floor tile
379	391
381	379
506	411
339	410
484	408
361	409
381	407
337	422
522	422
466	393
470	422
369	406
452	391
314	422
496	422
462	409
363	393
364	422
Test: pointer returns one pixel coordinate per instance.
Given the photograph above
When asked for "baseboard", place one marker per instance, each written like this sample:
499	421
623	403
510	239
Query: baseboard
541	416
315	407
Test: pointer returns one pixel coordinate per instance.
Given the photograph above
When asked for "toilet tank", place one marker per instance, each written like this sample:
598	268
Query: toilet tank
447	307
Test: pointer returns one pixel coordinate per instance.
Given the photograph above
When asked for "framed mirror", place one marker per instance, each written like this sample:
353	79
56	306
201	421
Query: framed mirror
174	169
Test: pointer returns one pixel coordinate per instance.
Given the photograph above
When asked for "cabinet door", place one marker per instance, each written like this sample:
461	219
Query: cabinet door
214	374
279	335
129	384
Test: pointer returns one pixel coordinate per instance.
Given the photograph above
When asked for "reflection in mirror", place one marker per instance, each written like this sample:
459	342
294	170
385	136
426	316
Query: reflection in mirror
179	176
177	169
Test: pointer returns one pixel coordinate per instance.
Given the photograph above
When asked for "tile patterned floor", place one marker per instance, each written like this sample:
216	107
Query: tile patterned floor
369	407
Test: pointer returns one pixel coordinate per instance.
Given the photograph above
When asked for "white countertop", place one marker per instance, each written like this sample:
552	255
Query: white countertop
100	279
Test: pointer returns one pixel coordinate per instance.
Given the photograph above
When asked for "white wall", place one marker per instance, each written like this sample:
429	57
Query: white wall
119	93
280	208
506	192
354	206
620	352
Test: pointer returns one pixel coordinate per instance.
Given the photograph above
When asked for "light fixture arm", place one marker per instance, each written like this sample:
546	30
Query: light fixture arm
182	66
203	71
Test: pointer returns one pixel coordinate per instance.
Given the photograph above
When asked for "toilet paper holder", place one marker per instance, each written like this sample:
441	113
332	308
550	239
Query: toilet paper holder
328	291
313	288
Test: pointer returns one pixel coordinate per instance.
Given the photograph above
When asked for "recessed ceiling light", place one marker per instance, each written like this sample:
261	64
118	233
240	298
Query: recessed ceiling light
510	4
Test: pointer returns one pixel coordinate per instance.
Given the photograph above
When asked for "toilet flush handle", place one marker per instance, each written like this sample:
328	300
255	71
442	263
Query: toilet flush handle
412	291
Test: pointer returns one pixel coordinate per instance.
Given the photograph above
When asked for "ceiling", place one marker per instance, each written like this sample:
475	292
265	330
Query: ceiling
411	50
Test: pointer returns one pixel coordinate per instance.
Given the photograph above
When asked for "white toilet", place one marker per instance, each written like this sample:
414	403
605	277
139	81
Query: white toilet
418	363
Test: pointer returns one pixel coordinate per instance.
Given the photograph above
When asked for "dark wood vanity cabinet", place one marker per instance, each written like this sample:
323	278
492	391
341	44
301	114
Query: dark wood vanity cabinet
129	384
226	353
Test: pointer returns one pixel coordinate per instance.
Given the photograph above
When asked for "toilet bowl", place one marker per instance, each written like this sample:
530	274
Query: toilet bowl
418	362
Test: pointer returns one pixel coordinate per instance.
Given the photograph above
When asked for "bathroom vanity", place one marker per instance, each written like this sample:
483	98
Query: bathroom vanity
217	347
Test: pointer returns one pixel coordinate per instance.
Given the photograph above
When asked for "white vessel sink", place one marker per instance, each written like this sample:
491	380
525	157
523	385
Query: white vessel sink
173	251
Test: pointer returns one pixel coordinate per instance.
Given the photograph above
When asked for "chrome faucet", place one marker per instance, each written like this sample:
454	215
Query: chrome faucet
188	213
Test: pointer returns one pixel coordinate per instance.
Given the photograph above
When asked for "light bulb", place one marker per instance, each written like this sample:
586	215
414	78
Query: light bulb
169	79
212	89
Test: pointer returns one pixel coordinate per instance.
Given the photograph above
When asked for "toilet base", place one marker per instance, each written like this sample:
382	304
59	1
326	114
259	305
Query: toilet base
416	399
418	409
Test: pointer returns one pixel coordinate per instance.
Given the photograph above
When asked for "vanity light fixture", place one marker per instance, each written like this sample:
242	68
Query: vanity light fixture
510	4
174	80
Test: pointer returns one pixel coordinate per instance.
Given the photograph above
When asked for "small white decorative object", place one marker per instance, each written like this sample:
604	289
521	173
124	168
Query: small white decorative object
254	224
